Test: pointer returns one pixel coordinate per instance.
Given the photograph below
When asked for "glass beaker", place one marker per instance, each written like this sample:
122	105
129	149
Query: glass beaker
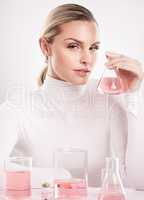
75	162
18	176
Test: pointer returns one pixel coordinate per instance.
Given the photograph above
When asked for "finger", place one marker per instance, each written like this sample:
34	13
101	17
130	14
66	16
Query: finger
111	55
125	65
129	67
119	64
114	61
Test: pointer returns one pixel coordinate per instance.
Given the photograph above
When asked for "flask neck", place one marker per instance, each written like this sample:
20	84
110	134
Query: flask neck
112	165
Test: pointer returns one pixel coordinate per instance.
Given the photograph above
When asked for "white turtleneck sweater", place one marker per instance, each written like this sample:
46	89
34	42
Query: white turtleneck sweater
62	115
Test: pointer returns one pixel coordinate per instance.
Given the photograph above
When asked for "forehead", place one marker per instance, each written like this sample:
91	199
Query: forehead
82	30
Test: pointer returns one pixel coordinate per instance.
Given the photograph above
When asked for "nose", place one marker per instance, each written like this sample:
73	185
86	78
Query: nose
86	57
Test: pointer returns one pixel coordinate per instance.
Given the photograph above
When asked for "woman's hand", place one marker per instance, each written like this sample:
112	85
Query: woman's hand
129	70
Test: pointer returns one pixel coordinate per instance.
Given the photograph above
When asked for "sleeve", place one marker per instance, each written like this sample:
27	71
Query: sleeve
118	128
132	100
135	149
8	131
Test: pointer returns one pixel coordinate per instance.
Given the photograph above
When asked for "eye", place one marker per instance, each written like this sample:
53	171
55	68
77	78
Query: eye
73	46
94	48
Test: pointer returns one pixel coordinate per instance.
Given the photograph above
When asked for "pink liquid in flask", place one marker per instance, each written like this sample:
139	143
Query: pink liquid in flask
110	85
112	196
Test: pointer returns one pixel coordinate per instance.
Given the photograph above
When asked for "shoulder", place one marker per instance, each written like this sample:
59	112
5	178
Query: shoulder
8	119
20	98
6	110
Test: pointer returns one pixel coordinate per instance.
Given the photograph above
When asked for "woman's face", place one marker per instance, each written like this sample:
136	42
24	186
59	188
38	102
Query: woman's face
73	52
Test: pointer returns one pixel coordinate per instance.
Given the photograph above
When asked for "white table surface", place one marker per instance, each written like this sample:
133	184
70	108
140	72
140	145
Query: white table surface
92	195
132	194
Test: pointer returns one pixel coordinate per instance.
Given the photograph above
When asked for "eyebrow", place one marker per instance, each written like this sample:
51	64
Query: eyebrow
97	42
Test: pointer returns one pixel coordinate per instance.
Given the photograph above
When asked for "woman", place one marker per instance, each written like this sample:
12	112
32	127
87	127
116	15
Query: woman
67	110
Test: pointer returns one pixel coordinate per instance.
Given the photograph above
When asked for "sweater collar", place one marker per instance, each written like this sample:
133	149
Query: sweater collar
63	90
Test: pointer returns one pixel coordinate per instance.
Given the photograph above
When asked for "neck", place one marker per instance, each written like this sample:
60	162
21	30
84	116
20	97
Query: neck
62	90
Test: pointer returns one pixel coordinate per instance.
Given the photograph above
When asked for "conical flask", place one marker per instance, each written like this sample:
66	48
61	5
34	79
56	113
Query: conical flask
117	81
110	82
112	186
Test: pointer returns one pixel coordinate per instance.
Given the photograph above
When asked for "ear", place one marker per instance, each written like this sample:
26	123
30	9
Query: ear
45	46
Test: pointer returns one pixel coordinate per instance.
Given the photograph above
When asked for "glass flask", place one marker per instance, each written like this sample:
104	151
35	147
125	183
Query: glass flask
112	186
112	81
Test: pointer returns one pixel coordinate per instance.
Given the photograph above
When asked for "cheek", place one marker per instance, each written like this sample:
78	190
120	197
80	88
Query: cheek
65	58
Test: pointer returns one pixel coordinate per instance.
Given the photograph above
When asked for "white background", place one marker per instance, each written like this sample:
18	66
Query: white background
121	27
122	30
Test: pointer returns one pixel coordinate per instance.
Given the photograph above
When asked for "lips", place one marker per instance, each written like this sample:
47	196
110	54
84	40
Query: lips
82	72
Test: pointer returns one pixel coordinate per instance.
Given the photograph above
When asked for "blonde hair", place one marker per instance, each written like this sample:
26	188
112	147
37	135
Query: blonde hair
62	14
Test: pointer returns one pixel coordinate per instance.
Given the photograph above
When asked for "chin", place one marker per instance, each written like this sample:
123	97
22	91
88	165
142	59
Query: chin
80	81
